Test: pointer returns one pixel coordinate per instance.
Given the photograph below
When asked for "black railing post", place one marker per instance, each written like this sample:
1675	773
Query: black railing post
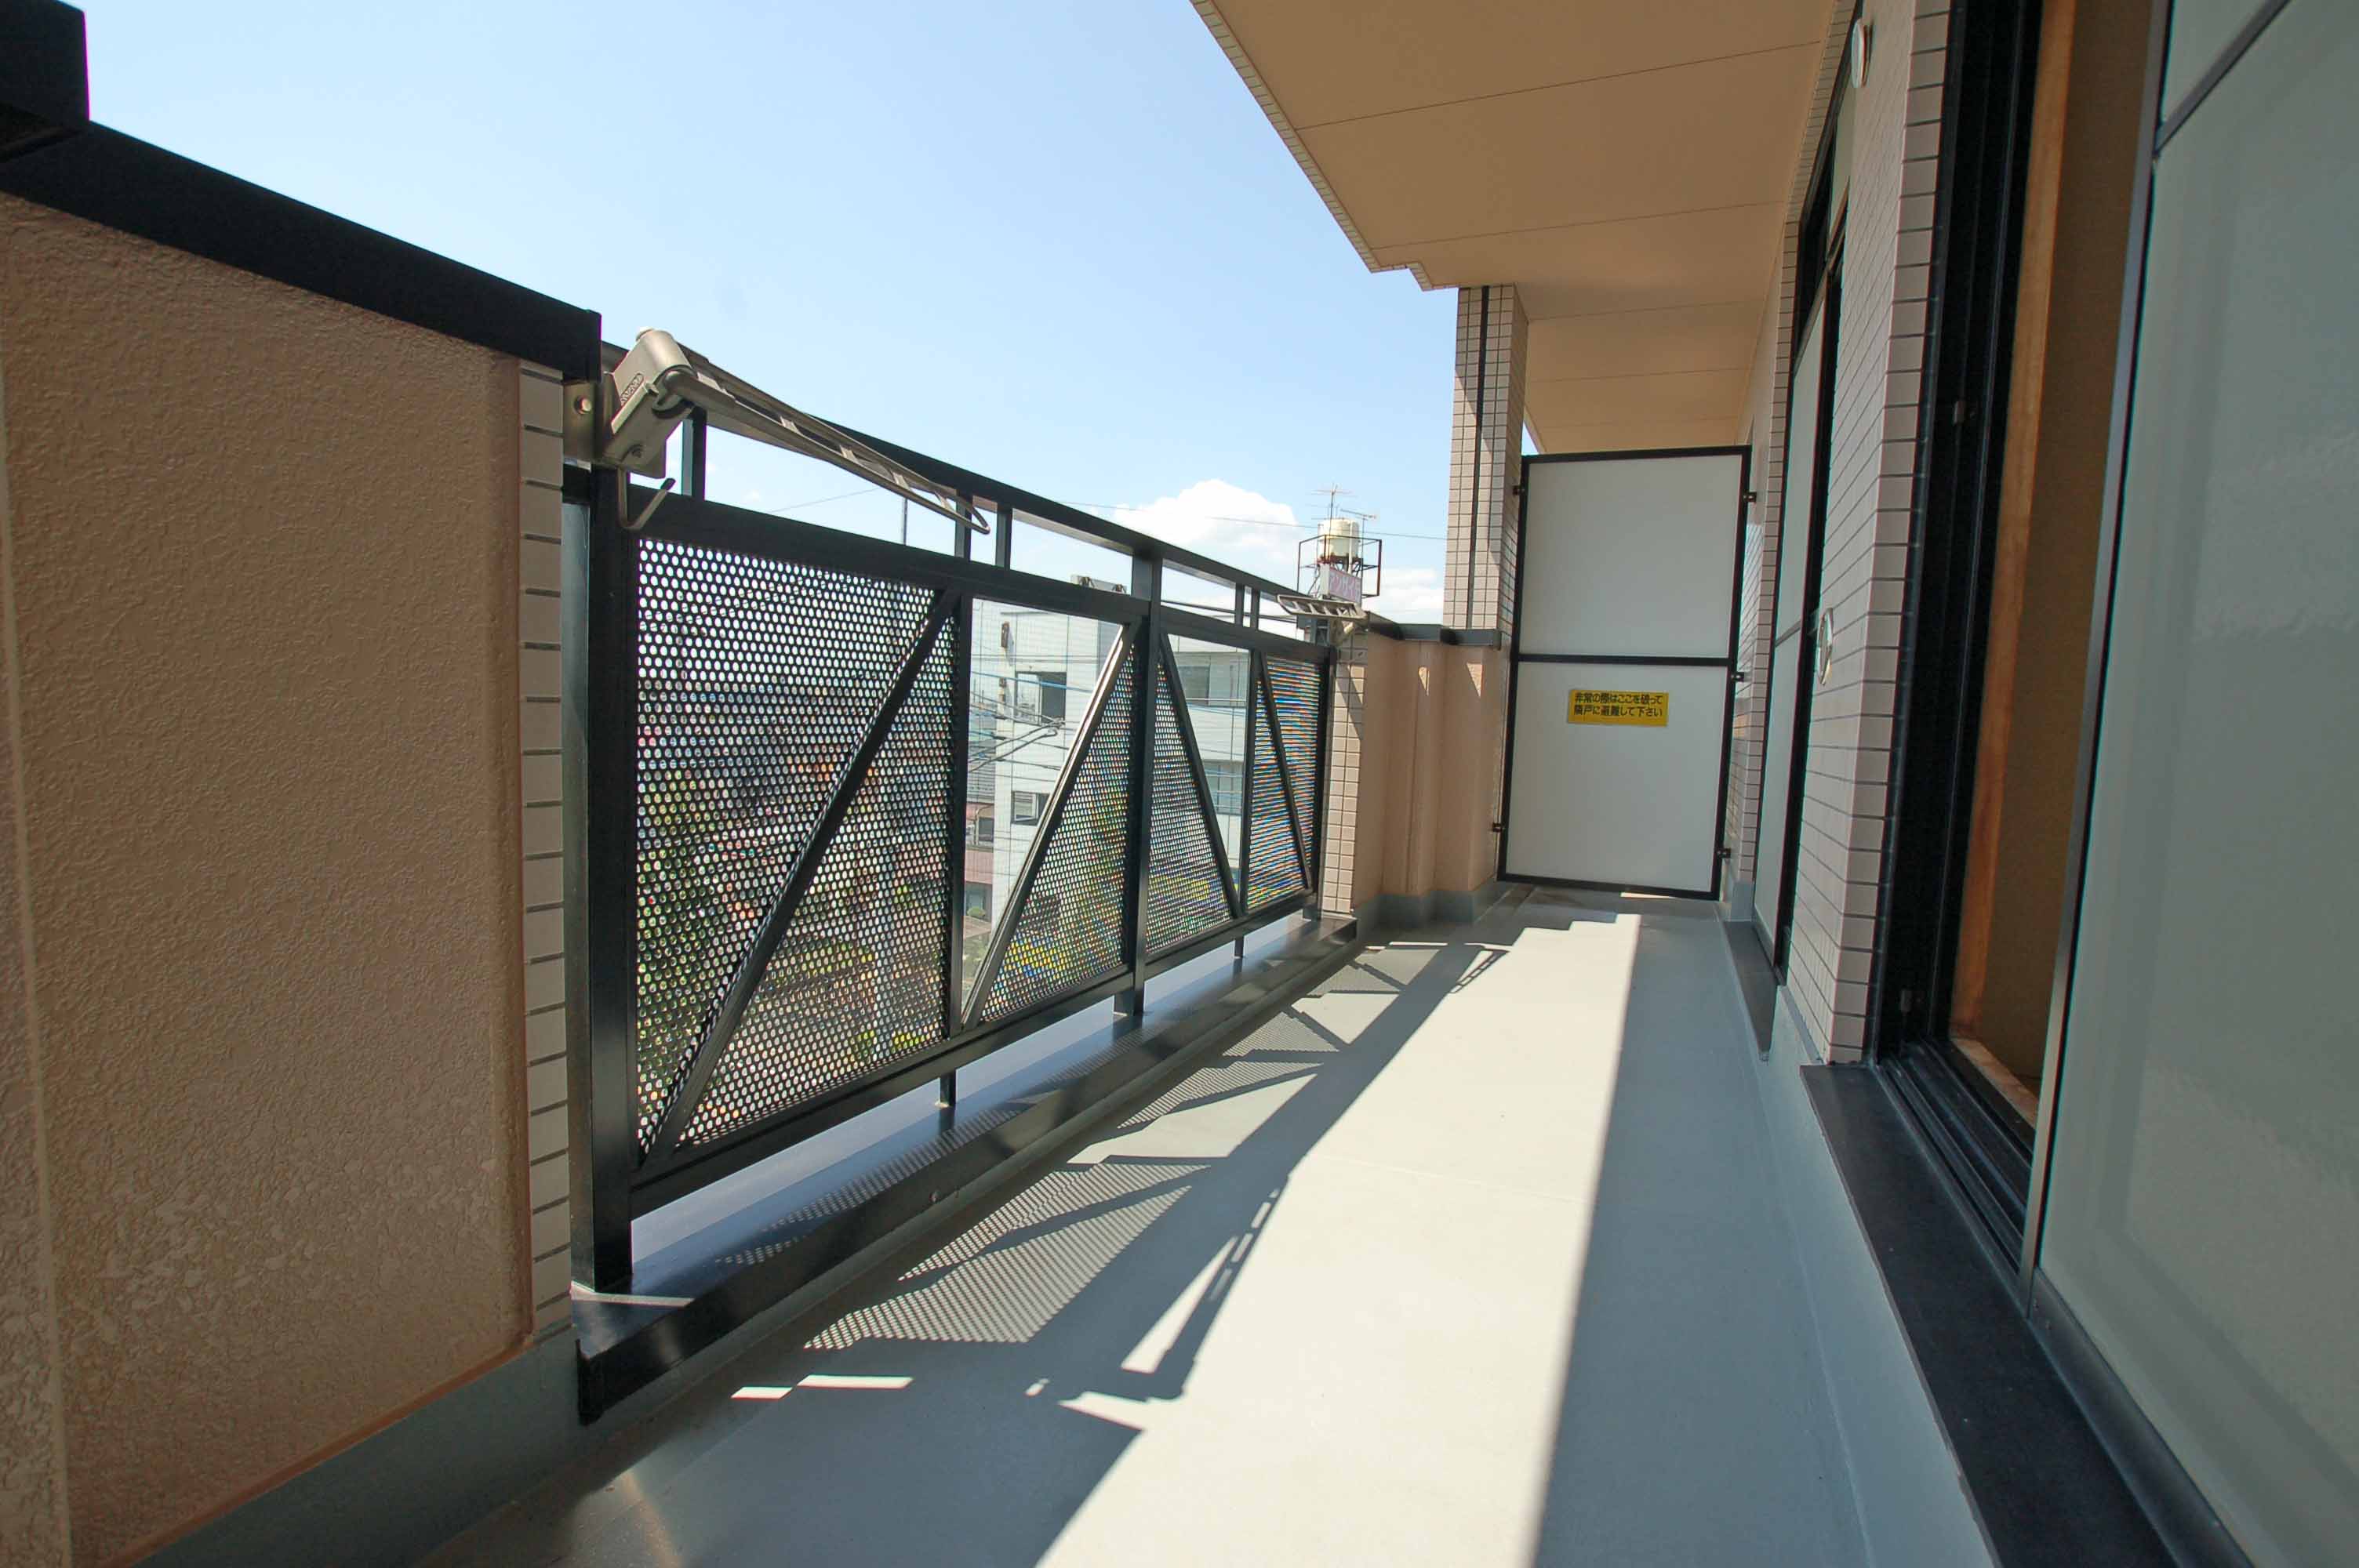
962	545
1318	866
601	763
1147	583
959	630
1003	545
1245	784
695	438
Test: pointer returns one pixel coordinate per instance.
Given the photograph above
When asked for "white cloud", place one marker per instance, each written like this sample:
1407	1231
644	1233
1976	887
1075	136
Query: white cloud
1231	523
1227	522
1410	593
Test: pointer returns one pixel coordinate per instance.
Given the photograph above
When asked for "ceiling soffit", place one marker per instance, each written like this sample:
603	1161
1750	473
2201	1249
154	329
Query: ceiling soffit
1629	169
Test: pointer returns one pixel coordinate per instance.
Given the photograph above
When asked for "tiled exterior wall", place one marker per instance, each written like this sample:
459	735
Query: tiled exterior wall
1888	246
1870	478
540	514
1763	430
1486	449
1342	868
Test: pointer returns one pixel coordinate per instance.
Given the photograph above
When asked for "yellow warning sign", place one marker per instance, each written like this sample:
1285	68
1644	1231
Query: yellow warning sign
1652	709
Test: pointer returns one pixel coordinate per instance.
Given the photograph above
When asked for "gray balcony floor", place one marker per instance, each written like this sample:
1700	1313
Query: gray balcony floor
1474	1256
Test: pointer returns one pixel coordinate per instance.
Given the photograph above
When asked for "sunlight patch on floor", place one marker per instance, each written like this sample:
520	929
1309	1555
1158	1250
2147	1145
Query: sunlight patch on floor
1401	1335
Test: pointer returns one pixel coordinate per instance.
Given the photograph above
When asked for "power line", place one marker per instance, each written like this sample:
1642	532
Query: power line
1304	528
822	501
1265	522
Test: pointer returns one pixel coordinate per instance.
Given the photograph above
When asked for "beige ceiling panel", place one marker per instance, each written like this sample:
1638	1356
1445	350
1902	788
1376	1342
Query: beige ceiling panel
1640	399
1718	133
1633	437
1645	343
1339	60
1722	257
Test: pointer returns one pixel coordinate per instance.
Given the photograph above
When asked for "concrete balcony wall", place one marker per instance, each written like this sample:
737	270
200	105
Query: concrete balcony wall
1414	781
263	1077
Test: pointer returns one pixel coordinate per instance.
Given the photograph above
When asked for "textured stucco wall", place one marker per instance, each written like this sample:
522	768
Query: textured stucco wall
264	584
33	1527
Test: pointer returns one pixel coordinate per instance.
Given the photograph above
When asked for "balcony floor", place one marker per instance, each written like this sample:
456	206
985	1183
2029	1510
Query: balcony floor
1476	1255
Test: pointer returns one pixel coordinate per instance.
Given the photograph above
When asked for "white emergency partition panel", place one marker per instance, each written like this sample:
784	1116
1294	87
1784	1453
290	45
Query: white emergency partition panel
1617	738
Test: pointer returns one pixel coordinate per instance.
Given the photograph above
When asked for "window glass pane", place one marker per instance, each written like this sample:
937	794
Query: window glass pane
2203	1216
2199	30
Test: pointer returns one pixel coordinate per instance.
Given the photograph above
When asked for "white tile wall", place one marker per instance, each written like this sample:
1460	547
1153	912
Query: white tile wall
1486	458
1346	729
540	519
1486	447
1765	431
1870	487
1887	245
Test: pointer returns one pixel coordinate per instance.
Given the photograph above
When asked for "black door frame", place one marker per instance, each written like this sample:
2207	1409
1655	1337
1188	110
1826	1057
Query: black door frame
1517	658
1961	428
1826	292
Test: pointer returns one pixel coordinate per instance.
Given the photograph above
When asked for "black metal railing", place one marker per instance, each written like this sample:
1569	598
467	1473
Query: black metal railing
858	814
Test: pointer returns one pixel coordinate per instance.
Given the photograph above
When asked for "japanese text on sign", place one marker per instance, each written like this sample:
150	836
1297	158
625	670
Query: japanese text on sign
1652	709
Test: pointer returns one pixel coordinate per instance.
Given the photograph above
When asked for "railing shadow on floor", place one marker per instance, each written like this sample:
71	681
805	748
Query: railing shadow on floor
965	1410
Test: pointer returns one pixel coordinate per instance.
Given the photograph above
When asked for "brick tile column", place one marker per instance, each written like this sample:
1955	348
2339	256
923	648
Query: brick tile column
1486	445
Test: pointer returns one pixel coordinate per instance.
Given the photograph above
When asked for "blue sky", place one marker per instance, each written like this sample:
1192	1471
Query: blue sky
1056	242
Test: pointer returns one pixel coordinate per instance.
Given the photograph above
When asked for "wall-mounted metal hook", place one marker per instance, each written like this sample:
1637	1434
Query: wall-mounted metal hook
649	511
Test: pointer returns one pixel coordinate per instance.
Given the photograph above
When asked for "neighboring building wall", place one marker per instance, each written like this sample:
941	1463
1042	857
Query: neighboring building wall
263	567
1020	652
1486	450
1871	484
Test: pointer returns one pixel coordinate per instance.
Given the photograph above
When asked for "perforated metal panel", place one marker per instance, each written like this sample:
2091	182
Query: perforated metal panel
1294	688
1184	893
1273	870
855	984
756	679
1069	927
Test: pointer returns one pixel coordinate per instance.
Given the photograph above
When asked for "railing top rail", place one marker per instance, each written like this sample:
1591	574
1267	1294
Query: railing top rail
1069	521
665	380
694	520
1212	629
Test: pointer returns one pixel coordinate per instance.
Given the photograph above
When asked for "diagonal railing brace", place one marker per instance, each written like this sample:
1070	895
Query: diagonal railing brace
1084	737
747	978
1230	892
1285	774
